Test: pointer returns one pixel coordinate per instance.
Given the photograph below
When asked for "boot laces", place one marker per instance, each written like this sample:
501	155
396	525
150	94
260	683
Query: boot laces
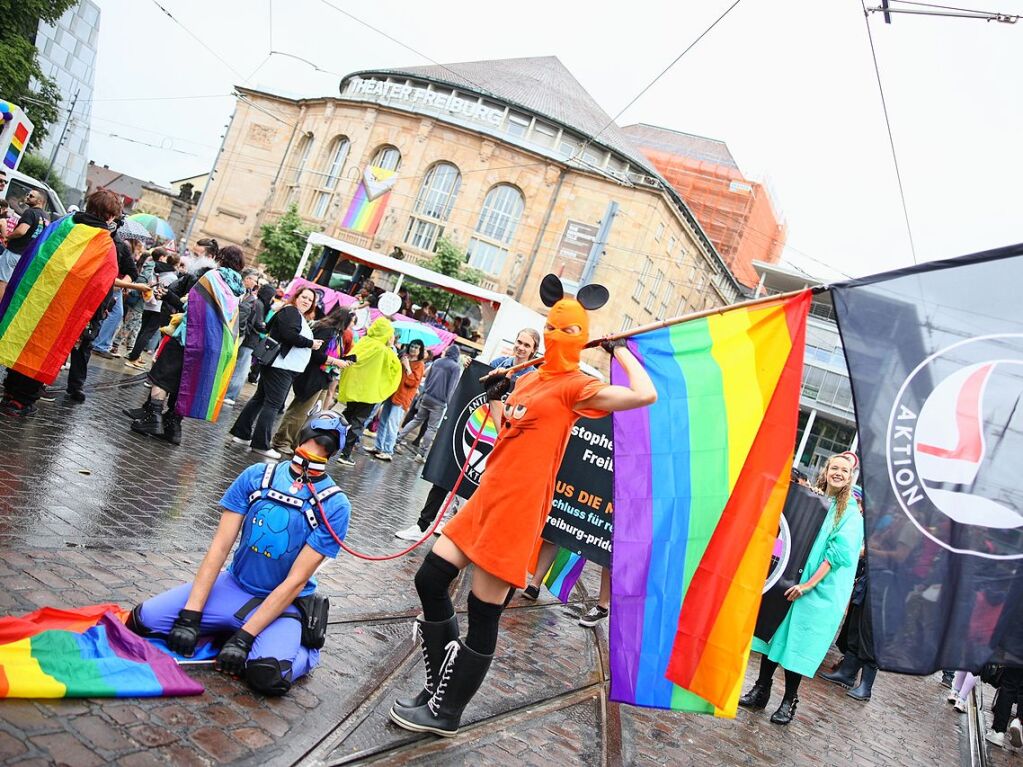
434	703
417	636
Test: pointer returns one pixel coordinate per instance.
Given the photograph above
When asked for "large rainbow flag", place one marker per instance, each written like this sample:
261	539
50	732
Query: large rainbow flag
211	347
367	207
700	479
84	653
55	290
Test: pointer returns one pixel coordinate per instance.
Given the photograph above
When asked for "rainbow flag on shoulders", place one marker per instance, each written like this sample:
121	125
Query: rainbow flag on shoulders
84	653
563	573
700	480
211	347
56	288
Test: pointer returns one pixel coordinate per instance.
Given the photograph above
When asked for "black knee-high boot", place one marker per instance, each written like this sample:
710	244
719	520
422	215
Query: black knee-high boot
461	675
760	693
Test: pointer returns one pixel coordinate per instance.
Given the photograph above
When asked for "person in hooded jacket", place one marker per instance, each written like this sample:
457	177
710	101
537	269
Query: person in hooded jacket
436	390
373	378
251	326
163	274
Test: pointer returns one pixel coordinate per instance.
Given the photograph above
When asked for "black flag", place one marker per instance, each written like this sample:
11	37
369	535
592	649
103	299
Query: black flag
935	355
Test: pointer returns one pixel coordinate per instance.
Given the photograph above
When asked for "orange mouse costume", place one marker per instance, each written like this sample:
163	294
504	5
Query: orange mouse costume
499	527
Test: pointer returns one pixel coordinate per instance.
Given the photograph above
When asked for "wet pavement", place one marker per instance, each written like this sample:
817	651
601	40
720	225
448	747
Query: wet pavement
91	513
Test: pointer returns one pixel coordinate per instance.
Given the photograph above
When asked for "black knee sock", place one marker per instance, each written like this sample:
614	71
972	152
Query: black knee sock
792	680
432	582
483	620
767	669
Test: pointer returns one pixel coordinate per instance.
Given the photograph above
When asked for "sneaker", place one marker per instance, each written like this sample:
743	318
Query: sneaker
399	448
284	450
111	355
269	452
952	697
410	533
344	460
959	705
995	738
419	458
18	410
148	384
137	364
368	433
1015	733
531	592
383	457
594	616
228	401
48	395
240	441
76	395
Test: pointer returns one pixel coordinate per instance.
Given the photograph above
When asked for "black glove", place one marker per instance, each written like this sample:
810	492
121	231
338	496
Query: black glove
234	653
497	385
609	346
185	633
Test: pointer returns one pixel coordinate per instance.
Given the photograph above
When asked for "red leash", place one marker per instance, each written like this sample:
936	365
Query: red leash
426	536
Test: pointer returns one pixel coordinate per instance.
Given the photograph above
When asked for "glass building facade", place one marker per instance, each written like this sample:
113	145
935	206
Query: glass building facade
67	55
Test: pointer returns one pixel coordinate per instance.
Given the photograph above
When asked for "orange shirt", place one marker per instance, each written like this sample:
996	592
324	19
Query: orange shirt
409	385
499	526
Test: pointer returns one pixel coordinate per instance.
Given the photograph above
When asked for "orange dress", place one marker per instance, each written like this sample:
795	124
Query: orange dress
498	527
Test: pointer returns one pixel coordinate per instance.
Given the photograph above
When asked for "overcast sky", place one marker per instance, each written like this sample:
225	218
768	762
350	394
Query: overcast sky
789	86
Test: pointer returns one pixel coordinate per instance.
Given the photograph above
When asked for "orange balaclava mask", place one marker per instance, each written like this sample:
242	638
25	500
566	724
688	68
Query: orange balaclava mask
562	349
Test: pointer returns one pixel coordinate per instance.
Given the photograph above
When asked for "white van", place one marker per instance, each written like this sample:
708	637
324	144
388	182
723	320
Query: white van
19	185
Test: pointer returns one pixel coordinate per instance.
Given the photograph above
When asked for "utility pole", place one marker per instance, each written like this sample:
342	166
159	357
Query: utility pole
63	132
599	242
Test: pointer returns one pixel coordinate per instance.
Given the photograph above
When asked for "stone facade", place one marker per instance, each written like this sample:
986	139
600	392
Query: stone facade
655	264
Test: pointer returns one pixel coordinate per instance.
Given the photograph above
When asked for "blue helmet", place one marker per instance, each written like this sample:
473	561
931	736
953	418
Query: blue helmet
327	428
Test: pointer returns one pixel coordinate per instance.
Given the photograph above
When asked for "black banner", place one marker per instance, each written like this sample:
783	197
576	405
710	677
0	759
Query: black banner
580	516
935	355
801	520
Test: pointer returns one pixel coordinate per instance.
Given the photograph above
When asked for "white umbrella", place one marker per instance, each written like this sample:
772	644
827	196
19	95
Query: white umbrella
132	230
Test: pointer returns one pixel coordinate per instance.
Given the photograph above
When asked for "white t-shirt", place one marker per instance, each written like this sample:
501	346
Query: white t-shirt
298	356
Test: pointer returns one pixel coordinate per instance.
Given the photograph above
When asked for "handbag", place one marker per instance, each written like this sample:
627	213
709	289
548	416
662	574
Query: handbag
267	350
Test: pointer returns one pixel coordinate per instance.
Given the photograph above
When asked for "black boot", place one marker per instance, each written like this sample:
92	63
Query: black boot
150	423
460	677
172	428
866	683
135	413
433	638
757	697
786	711
845	674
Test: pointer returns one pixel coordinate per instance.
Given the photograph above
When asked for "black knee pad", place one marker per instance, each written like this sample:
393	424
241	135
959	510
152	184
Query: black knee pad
135	624
269	676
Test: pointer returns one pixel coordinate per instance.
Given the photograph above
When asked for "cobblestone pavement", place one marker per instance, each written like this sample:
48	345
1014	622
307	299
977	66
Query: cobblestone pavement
91	513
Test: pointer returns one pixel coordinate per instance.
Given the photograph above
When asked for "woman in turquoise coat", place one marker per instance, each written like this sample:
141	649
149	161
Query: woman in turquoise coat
818	602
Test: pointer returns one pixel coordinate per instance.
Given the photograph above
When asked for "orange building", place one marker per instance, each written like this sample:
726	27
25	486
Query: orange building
737	214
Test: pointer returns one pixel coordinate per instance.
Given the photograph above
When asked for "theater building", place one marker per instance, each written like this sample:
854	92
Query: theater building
511	160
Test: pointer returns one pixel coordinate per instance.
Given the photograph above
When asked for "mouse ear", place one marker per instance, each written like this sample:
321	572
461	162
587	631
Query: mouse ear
592	296
551	290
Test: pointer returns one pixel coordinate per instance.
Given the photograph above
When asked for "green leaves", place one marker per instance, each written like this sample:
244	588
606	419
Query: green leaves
448	259
282	244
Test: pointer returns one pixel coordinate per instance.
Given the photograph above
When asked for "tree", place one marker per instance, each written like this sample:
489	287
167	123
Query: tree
282	244
35	166
448	259
21	80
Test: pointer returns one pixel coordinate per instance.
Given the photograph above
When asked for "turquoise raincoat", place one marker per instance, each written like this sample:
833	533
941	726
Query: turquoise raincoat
803	638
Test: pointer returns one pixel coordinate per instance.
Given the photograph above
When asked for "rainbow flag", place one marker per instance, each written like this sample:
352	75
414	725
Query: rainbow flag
367	207
563	573
700	479
56	288
17	146
86	653
211	347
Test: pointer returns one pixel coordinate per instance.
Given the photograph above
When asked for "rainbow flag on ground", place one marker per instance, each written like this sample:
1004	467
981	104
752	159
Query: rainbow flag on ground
700	479
367	207
85	653
56	288
211	347
563	573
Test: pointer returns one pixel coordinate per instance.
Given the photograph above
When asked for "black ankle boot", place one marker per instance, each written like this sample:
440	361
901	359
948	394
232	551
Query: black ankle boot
150	423
433	638
460	677
845	674
172	428
757	697
866	684
786	711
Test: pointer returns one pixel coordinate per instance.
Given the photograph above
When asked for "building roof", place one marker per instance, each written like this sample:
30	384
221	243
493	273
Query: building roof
115	181
539	84
680	143
204	174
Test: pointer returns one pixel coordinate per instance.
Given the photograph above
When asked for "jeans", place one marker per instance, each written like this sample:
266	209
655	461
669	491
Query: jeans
241	372
256	421
294	419
110	325
150	325
387	431
430	411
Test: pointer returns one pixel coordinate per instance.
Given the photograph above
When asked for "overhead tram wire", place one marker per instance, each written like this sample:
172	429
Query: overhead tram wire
888	125
199	40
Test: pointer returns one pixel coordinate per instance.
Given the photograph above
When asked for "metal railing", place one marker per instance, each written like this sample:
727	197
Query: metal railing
975	727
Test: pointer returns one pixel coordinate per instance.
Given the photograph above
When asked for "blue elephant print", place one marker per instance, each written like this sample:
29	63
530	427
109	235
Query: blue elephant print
269	535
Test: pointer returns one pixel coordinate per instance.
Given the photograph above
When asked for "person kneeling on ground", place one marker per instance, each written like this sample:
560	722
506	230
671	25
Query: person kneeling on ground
291	516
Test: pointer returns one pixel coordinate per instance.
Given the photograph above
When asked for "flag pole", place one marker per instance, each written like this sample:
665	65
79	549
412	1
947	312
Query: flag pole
678	320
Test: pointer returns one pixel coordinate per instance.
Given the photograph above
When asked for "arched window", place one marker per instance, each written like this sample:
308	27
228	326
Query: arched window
495	230
327	180
433	205
301	156
387	157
